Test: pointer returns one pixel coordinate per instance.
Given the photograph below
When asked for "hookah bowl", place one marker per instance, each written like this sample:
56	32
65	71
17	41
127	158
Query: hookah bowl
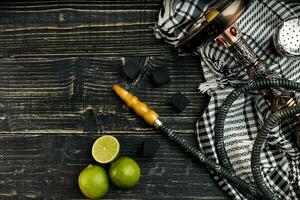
219	25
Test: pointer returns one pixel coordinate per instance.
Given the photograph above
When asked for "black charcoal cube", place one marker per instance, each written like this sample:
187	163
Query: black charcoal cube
131	71
150	147
160	77
180	102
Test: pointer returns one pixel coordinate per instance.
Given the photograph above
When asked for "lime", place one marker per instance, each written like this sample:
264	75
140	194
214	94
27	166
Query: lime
124	172
105	149
93	182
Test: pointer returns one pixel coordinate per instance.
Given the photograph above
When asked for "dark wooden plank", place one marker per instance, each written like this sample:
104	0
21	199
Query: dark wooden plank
47	95
37	167
79	28
58	62
36	78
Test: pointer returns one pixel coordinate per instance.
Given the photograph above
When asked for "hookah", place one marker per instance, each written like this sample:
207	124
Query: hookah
218	24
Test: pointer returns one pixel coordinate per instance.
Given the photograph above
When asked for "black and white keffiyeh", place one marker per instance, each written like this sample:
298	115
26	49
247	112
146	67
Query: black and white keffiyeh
280	159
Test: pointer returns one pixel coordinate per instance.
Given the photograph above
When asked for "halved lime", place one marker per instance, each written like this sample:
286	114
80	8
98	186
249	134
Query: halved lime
106	149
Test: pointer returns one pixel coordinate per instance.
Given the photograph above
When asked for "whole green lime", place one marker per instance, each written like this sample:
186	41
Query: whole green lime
124	172
93	182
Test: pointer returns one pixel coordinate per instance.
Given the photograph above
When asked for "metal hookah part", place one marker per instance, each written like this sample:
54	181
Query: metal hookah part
219	18
287	38
218	24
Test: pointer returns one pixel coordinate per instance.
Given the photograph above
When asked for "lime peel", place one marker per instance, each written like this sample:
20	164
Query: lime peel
93	182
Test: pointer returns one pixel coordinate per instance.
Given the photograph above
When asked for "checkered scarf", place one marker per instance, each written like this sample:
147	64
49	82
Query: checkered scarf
280	159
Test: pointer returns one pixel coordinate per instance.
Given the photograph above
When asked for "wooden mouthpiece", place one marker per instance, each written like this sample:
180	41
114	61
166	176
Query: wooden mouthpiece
139	107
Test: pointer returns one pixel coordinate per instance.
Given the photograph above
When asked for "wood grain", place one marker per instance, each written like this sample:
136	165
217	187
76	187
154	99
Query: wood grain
55	94
35	29
34	167
58	62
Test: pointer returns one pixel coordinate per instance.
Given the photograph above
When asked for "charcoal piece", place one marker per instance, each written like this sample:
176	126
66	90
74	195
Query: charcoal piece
150	147
160	77
131	71
180	102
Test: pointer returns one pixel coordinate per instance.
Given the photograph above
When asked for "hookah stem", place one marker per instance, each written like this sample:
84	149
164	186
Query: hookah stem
152	118
256	67
256	70
232	38
262	135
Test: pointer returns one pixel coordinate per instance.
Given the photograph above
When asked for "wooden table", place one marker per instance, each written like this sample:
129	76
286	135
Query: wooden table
59	60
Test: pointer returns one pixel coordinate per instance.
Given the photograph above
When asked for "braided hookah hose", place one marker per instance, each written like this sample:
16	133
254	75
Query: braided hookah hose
262	135
270	123
152	118
249	190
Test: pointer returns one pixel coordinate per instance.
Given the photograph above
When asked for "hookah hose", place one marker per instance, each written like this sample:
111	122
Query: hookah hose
249	190
270	123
